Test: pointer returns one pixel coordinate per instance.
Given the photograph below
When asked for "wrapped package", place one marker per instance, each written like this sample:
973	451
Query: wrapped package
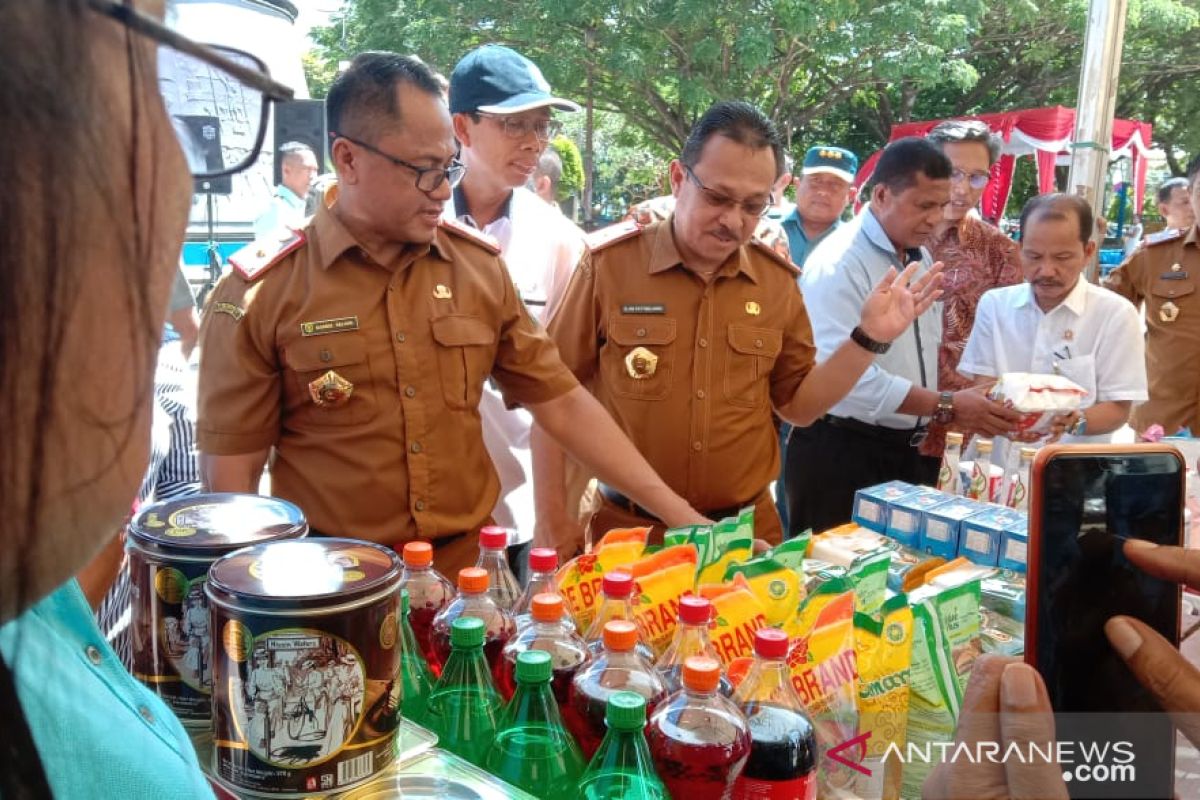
1038	397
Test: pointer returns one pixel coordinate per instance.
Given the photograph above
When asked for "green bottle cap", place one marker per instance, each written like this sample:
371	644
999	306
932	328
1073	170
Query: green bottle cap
467	632
626	711
533	666
404	602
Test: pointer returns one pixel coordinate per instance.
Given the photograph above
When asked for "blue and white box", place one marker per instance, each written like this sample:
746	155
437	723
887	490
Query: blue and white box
871	504
904	514
979	536
941	525
1014	546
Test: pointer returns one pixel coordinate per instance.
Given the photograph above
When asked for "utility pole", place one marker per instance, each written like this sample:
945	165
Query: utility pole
1096	105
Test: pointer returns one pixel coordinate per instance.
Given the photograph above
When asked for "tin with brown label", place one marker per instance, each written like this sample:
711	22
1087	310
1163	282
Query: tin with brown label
171	546
305	661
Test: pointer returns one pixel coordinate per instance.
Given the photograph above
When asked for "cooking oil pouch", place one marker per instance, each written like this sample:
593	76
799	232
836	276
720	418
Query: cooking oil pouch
737	615
1000	634
659	581
909	568
579	580
866	555
946	642
792	552
883	649
1004	594
776	586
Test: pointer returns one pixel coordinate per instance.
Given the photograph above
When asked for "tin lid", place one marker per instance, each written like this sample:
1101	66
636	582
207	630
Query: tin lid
207	526
311	573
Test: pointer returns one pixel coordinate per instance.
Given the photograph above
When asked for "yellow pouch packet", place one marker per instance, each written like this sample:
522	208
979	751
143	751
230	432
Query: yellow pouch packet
737	615
777	587
659	581
580	579
883	649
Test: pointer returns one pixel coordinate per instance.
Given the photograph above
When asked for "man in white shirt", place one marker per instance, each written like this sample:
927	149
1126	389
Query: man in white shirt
1058	322
501	107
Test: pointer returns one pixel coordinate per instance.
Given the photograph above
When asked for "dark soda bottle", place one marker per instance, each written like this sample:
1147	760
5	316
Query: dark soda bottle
691	639
428	593
783	743
464	704
547	632
533	751
473	600
416	680
698	738
622	768
543	564
493	557
617	603
618	667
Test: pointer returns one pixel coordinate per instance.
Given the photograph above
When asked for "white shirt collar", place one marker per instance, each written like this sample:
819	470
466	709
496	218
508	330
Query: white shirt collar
1076	301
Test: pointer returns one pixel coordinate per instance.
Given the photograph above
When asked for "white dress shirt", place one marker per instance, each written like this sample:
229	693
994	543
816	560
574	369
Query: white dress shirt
1094	337
838	277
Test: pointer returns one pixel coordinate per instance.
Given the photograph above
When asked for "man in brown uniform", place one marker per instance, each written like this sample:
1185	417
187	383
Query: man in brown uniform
689	332
359	349
1164	273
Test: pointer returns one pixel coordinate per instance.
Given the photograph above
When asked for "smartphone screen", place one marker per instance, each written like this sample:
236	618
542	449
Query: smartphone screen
1088	506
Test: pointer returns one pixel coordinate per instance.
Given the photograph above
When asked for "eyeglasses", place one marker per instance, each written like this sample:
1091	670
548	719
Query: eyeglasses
428	178
977	180
217	98
751	208
543	129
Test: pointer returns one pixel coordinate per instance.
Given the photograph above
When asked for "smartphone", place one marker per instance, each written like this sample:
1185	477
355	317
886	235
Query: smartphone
1085	502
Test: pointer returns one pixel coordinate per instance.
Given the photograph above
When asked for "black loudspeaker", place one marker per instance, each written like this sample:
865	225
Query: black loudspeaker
300	121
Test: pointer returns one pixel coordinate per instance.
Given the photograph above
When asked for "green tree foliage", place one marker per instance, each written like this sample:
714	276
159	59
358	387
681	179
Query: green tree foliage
571	181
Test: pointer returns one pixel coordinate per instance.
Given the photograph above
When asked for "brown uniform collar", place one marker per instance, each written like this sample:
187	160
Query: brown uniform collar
332	239
1193	236
664	254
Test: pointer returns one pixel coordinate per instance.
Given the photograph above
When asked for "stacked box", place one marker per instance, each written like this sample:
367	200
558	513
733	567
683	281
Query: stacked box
1014	545
979	536
905	513
871	504
940	526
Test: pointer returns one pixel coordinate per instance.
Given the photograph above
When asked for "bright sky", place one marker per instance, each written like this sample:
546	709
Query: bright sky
315	12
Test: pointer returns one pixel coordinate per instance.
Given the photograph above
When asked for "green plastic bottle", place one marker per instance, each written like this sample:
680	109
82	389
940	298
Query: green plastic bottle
622	768
415	677
463	704
533	749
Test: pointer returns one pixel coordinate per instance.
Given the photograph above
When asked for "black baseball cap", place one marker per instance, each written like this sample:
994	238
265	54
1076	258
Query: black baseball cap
498	80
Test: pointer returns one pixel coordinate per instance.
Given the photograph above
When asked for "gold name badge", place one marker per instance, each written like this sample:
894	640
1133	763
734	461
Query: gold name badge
641	363
322	326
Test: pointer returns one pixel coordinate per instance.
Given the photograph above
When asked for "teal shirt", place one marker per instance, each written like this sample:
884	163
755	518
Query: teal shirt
798	241
98	731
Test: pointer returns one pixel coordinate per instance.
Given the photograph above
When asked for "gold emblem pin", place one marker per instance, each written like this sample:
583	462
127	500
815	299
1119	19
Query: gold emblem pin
330	390
641	363
753	308
1068	335
1176	268
1168	312
441	292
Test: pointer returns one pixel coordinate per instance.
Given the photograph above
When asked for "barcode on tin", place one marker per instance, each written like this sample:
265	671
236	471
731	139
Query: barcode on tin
356	769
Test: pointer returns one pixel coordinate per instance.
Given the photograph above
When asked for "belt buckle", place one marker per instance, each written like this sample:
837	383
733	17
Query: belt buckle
918	438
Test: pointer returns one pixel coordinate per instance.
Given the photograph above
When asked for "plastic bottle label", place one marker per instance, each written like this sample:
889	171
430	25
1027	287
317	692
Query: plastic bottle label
796	789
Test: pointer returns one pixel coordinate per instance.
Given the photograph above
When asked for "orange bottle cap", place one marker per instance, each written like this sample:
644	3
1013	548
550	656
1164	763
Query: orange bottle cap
546	607
418	554
701	674
620	635
472	579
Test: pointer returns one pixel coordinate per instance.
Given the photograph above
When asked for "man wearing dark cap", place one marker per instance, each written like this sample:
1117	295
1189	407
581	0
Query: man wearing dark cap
501	108
824	189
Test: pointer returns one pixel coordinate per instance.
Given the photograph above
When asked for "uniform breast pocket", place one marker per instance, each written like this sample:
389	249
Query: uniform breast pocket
466	350
1081	370
1167	298
639	357
309	360
750	356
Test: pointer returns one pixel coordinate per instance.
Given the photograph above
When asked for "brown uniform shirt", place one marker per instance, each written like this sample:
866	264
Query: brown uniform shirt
1164	274
402	457
726	351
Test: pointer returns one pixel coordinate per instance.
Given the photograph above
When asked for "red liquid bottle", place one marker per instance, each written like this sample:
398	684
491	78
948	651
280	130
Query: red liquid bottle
617	603
493	557
473	600
699	739
617	668
691	639
547	631
428	593
783	743
543	564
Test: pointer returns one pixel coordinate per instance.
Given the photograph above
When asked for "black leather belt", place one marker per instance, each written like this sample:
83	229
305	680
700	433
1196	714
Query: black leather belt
625	504
896	437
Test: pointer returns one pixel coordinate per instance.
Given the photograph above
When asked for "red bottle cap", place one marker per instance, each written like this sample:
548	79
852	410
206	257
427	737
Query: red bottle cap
694	610
620	635
493	537
770	643
618	584
543	559
418	554
473	580
701	674
546	607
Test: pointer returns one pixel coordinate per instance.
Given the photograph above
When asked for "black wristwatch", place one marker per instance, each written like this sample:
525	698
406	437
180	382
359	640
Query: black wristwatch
860	338
944	414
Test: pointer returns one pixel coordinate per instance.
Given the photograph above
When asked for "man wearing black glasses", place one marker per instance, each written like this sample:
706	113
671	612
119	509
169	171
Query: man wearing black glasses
690	332
358	352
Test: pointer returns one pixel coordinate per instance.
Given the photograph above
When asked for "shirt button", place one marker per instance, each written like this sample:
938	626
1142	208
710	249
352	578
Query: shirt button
410	391
641	331
419	505
93	654
700	393
326	356
415	447
703	342
697	446
400	338
758	342
146	714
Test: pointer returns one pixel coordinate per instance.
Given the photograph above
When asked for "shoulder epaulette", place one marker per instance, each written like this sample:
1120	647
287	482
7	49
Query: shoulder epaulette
467	232
619	232
253	260
1160	237
775	249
